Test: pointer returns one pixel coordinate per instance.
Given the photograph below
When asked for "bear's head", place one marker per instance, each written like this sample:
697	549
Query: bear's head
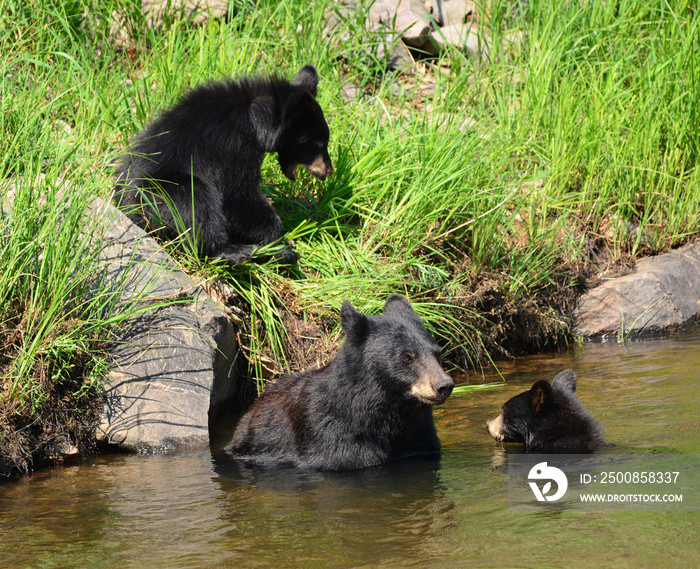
523	413
395	352
305	134
547	418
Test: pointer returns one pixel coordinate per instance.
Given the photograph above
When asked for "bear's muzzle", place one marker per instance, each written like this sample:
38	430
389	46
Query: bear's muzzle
320	168
495	428
433	391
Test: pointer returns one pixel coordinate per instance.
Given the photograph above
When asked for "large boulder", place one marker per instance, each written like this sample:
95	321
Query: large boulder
173	360
173	365
662	295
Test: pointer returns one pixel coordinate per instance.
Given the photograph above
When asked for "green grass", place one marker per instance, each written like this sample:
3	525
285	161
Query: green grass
482	196
468	389
42	286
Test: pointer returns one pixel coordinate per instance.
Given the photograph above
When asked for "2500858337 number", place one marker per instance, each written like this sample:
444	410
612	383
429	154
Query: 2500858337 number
639	477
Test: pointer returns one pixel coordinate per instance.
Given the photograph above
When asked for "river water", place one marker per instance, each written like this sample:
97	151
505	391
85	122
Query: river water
196	510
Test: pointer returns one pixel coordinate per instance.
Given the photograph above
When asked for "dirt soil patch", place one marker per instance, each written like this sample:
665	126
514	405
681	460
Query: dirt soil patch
63	421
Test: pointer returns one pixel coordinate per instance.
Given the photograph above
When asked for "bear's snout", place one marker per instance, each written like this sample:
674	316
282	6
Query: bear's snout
320	168
433	391
444	387
495	427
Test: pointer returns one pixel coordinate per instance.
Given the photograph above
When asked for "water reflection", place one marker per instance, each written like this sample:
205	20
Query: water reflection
402	508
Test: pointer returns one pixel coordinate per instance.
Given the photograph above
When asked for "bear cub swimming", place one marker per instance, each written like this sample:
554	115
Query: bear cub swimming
205	154
548	418
370	405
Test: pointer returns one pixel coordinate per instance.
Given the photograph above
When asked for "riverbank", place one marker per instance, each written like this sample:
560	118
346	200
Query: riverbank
490	193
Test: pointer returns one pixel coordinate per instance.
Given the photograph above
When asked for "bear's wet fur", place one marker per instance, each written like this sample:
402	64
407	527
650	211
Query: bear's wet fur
206	153
370	405
549	419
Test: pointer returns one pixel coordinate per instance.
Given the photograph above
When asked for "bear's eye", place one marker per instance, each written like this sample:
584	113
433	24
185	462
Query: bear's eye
408	357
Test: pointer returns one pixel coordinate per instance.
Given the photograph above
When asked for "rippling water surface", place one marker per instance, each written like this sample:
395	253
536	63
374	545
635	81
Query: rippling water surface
196	510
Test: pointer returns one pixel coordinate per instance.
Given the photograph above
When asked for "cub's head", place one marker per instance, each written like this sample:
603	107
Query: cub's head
547	418
519	414
396	352
304	134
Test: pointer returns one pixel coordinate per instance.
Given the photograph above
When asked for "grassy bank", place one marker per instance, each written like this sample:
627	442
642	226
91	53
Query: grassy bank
487	194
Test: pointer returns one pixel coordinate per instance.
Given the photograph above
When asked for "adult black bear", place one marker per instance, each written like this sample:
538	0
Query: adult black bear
205	153
371	404
548	419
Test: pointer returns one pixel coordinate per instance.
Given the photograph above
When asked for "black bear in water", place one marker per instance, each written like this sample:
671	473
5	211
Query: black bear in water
196	167
371	404
548	418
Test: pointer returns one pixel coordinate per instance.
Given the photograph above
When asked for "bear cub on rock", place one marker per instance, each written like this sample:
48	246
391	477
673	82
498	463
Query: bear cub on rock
370	405
205	154
549	419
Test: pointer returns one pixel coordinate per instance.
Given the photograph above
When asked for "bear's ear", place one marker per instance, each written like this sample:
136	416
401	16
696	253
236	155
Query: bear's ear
263	116
540	395
307	78
354	323
399	306
565	381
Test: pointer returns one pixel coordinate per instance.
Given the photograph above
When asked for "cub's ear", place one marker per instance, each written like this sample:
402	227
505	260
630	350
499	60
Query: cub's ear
399	306
353	322
540	395
307	78
566	381
263	116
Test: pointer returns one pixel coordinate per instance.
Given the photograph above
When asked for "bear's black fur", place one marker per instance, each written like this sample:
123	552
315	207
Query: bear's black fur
207	152
548	419
371	404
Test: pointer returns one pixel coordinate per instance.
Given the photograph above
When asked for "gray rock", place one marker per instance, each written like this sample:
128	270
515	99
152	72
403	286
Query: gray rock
408	18
450	12
157	12
464	37
427	26
162	386
397	55
350	92
382	41
399	23
198	11
173	366
663	294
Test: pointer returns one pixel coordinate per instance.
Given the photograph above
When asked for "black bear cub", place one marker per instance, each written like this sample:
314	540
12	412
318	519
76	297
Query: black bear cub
548	419
370	405
202	159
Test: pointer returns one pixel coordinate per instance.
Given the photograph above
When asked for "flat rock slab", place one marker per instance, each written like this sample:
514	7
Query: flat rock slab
662	295
173	364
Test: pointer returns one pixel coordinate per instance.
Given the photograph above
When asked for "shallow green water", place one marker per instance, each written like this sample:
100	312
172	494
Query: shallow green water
192	510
